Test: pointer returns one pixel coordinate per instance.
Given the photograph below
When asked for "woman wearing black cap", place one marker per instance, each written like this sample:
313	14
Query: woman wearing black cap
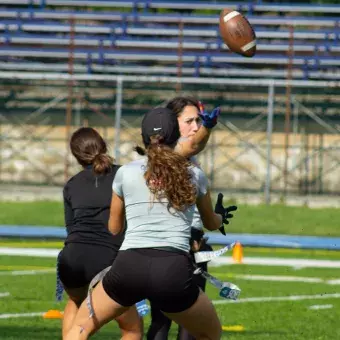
194	134
157	195
89	245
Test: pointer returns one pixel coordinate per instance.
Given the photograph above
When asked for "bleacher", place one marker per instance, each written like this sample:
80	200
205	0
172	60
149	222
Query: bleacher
137	37
96	59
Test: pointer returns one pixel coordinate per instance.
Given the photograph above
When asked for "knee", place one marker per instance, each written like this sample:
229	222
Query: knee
131	330
77	333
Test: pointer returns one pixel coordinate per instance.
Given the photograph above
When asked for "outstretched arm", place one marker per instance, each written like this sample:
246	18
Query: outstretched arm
193	145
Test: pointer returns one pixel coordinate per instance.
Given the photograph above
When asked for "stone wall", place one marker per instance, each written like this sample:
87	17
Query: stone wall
37	155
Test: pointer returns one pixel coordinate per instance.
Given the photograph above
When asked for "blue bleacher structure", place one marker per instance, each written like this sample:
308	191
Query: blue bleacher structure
134	37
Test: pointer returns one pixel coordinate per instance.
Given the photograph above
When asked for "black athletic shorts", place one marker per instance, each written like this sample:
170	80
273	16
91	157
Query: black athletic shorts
79	262
163	277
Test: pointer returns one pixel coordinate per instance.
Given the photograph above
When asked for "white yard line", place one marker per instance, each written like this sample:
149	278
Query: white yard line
264	261
20	315
271	278
4	294
317	307
280	298
334	282
40	252
280	278
274	261
27	272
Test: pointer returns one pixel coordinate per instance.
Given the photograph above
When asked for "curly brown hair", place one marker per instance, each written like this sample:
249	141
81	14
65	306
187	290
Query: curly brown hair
168	176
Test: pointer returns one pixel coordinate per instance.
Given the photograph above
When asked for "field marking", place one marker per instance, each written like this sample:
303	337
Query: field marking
30	244
22	267
19	315
265	261
271	277
40	252
279	298
4	294
274	261
317	307
27	272
280	278
235	328
295	251
334	282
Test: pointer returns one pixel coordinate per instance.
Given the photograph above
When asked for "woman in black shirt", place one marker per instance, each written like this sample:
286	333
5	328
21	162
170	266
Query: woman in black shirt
89	246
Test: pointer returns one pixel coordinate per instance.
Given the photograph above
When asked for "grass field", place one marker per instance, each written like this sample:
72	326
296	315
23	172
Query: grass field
275	219
266	309
278	320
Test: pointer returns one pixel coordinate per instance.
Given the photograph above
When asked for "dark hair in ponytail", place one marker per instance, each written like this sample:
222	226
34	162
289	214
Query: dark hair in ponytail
168	176
89	148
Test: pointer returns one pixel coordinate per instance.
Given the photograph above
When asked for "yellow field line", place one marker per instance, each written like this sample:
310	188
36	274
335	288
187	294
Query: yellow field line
235	328
32	244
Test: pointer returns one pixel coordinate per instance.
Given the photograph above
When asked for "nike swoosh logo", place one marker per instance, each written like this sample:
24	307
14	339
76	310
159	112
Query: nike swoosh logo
156	129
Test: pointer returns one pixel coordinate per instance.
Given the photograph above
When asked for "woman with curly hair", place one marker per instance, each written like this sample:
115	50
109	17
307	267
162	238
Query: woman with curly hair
157	194
195	128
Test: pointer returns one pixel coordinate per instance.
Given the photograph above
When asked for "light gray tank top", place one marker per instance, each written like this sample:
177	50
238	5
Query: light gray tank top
149	223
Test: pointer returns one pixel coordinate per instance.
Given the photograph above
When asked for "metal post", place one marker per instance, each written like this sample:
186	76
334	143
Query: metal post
321	152
288	108
180	55
77	118
68	120
119	93
270	110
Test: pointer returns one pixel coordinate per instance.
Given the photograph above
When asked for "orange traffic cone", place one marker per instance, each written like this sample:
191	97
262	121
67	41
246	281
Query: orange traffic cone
53	314
238	253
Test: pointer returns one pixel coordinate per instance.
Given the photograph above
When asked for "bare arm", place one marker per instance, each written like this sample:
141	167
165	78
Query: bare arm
192	146
210	219
117	215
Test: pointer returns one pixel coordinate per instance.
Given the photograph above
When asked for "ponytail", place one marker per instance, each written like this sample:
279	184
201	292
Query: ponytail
102	163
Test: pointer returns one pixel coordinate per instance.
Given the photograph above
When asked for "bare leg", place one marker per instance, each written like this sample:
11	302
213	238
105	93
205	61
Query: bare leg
200	320
76	297
105	310
131	324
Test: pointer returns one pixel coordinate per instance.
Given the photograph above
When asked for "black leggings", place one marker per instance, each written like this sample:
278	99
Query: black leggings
160	324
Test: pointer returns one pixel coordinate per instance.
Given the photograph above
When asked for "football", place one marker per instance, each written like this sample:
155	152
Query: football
237	33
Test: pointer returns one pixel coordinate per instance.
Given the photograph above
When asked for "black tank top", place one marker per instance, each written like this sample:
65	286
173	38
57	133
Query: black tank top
87	199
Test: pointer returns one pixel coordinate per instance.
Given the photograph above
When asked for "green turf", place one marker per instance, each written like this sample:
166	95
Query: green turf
279	320
275	219
45	213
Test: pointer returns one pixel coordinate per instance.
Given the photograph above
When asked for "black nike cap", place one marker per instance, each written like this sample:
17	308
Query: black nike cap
163	122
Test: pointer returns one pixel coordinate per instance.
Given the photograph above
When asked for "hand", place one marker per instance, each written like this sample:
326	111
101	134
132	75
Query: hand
225	212
209	120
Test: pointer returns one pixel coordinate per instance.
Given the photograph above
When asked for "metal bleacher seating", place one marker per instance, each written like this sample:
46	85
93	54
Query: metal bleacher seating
132	37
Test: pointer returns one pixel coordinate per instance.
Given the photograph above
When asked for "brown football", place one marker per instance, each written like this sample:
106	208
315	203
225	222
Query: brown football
237	33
